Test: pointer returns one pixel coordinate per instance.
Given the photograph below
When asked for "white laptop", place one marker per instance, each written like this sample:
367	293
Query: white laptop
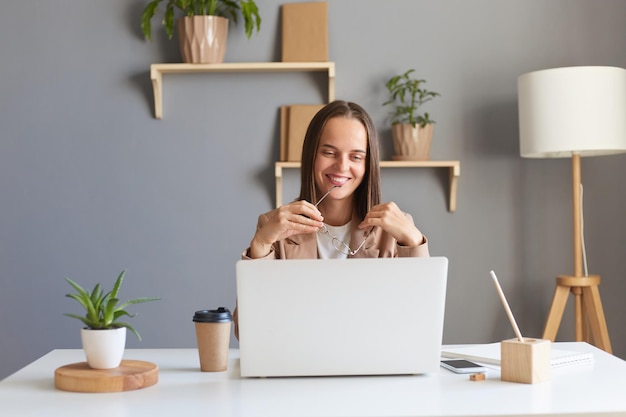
312	317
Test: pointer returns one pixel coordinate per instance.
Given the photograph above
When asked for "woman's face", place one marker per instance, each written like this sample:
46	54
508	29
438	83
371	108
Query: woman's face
341	157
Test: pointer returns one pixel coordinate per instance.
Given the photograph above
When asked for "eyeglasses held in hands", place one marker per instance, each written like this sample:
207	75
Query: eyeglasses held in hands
340	245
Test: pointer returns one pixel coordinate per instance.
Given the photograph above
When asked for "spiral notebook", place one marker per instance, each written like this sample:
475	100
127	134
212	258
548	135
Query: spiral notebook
490	354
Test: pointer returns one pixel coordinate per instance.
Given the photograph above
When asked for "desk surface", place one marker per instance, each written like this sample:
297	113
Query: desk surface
593	389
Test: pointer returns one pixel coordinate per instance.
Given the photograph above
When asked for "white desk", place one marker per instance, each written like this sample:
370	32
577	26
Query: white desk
182	390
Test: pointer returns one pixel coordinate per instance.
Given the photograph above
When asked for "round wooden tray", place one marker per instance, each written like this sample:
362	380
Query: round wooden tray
130	375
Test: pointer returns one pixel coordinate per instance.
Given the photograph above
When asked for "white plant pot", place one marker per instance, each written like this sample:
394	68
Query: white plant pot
104	348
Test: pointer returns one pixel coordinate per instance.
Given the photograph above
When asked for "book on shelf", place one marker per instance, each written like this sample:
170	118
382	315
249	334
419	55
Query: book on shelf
294	121
490	354
305	32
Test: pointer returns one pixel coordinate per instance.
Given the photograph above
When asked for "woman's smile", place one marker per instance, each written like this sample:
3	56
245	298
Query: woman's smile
337	180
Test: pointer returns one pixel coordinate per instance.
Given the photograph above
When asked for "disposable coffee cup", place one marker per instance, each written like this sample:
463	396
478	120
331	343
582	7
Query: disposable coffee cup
213	334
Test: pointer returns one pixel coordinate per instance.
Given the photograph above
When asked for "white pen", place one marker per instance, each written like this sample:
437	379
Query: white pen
506	307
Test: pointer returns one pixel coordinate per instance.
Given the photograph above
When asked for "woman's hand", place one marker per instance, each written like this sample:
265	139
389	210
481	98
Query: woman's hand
392	220
288	220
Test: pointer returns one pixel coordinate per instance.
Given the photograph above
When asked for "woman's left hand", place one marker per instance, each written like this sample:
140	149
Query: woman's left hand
392	220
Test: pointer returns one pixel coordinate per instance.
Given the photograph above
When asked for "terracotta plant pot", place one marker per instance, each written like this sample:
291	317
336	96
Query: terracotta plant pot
411	143
203	39
104	348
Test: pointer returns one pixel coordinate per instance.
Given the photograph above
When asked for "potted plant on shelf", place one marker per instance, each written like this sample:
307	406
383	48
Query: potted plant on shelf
203	27
411	131
104	337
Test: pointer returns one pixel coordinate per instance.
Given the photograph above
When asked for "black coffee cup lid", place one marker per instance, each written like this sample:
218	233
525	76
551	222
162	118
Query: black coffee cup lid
221	315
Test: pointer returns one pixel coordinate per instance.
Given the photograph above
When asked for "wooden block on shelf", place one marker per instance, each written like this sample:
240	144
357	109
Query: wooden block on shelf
294	122
305	32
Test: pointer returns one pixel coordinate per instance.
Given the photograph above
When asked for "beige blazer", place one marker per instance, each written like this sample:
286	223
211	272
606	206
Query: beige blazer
304	246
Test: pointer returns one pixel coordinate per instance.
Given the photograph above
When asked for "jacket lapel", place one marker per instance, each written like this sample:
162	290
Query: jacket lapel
303	246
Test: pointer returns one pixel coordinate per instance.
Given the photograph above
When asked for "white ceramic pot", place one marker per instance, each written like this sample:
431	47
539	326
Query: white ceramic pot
104	348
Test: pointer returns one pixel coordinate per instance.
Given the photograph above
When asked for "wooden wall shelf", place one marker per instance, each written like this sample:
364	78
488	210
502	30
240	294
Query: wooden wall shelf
157	71
453	166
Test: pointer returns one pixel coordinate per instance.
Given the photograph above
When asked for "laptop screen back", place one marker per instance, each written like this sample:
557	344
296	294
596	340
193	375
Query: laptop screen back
341	317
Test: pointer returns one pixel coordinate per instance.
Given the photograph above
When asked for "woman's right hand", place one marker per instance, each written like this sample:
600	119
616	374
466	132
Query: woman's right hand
288	220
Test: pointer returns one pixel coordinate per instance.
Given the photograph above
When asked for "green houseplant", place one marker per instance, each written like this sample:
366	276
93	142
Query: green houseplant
225	8
104	336
407	96
411	130
203	24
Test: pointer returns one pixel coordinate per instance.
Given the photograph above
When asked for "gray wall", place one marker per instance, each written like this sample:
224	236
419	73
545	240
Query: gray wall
91	183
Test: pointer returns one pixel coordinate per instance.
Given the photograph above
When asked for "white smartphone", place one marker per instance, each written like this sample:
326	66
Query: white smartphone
462	366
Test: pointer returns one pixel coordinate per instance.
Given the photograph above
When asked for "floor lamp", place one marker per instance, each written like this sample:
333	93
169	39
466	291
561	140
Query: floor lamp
574	112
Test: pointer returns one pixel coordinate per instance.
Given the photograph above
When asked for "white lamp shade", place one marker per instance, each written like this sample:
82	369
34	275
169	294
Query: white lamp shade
570	110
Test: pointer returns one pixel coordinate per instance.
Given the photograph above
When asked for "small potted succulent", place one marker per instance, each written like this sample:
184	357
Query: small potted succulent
411	131
104	337
203	25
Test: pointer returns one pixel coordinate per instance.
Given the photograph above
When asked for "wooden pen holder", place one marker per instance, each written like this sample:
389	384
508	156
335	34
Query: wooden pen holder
527	362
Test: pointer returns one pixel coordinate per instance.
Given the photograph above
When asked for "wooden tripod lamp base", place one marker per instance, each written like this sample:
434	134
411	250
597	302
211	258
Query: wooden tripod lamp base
588	310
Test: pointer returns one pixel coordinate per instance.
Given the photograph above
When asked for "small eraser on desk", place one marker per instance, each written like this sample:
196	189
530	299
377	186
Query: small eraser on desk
477	377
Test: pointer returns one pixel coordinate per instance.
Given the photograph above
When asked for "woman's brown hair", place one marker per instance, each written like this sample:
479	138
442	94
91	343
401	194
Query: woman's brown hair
368	193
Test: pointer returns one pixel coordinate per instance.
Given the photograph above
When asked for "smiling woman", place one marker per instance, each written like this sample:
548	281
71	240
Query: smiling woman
340	162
